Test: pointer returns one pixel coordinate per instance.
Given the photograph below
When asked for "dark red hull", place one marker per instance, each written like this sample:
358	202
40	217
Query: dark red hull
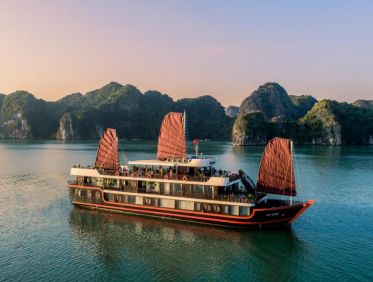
259	217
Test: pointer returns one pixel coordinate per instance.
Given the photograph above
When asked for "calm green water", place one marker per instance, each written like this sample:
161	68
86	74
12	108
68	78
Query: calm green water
43	237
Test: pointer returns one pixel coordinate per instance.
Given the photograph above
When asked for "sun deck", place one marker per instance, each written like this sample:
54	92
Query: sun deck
172	162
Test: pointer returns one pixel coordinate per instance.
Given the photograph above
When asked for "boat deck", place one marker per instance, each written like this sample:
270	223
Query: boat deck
237	198
163	174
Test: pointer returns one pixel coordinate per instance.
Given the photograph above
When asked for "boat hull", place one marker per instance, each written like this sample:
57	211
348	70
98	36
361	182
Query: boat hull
260	217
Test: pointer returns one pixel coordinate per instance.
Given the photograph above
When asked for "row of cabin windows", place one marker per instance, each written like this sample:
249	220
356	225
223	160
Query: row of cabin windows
163	188
178	204
165	203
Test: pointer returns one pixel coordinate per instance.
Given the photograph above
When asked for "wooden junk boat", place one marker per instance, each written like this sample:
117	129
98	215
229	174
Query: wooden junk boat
189	188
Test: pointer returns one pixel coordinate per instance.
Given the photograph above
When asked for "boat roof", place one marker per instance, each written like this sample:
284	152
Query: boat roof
193	162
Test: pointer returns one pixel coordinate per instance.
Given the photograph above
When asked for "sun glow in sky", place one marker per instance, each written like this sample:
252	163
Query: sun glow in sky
188	48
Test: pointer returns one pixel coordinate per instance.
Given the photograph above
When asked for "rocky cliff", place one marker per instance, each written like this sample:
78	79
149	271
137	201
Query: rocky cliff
2	96
321	125
306	122
232	111
267	112
303	104
271	99
366	104
250	129
124	107
24	116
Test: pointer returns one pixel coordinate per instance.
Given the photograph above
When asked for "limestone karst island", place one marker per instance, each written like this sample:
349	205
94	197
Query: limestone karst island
266	113
186	140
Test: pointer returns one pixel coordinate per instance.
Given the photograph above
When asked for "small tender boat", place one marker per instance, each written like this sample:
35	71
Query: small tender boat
189	188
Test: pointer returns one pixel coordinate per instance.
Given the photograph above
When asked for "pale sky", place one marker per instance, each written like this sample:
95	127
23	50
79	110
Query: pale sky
188	48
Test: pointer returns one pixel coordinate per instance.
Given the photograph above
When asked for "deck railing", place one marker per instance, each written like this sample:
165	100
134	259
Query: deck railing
238	198
163	175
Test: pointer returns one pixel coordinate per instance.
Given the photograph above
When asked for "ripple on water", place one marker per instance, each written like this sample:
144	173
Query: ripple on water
42	237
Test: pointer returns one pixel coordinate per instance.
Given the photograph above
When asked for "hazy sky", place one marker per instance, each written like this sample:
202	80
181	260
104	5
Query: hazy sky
188	48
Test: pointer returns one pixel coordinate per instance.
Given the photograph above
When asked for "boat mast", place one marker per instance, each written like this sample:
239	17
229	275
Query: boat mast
184	124
184	128
292	149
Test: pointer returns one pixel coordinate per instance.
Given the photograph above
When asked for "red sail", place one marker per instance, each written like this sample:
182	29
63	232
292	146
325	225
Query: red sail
276	172
171	141
107	153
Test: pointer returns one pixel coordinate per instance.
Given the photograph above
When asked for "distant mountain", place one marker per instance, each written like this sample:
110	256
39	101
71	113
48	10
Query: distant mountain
306	121
124	107
368	104
334	123
267	112
303	103
250	129
2	96
206	118
232	111
272	100
24	116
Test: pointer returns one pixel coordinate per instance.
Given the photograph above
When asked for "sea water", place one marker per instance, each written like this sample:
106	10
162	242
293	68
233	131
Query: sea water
43	237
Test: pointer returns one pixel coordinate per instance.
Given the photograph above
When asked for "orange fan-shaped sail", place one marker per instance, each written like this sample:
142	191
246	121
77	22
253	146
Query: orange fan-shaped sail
107	153
276	172
171	141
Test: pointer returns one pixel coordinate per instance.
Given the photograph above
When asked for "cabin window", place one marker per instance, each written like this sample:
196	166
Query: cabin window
139	200
156	187
161	187
187	189
148	186
176	189
131	199
152	187
198	189
208	191
141	186
151	202
226	209
166	203
109	197
186	205
244	210
167	188
235	210
197	206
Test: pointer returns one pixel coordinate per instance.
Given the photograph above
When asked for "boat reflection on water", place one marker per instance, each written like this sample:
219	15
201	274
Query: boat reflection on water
168	250
85	220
